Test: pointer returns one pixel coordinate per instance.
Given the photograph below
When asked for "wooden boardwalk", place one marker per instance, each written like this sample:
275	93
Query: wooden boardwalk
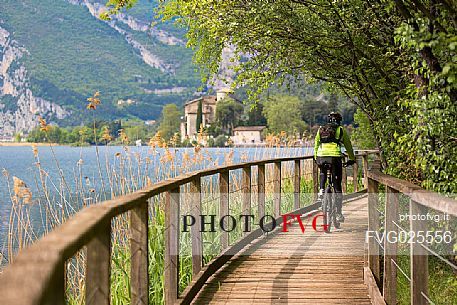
281	268
297	268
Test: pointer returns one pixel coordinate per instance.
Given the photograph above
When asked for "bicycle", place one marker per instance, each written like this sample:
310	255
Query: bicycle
328	201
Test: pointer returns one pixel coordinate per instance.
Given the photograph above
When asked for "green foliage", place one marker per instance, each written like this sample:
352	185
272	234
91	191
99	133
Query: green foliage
396	60
105	133
220	141
255	115
199	120
170	121
228	114
137	130
17	137
362	134
283	114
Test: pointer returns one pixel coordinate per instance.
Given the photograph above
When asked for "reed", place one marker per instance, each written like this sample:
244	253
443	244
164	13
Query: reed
58	195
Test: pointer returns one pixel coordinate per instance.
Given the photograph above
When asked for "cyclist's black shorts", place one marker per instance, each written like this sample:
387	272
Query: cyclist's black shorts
336	164
333	161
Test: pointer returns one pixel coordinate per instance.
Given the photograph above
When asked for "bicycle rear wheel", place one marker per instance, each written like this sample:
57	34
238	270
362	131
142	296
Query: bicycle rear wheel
327	209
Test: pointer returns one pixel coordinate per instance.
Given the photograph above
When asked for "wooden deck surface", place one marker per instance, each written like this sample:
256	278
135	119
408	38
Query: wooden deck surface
297	268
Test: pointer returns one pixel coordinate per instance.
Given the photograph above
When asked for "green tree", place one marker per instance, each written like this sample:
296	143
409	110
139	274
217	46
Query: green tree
170	121
138	132
220	141
17	137
255	115
362	135
228	114
36	136
314	111
199	119
283	114
394	59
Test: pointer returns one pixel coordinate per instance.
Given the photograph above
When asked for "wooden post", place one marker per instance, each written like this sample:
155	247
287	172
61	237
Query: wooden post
297	178
196	235
98	267
315	180
55	292
139	278
246	193
261	190
355	175
419	257
224	205
390	249
365	170
277	189
171	245
373	226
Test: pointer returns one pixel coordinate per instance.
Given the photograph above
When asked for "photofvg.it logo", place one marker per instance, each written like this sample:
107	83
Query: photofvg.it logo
267	223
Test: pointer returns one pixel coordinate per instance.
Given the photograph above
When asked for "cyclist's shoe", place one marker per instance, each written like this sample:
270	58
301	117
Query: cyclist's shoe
320	195
339	217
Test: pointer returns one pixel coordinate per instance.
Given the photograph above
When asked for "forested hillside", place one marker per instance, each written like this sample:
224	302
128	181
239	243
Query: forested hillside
58	52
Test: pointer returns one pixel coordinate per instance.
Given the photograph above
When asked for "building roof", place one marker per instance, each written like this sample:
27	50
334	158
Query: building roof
249	128
225	90
207	98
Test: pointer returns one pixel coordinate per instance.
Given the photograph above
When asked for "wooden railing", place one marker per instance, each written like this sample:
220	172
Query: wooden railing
37	275
383	256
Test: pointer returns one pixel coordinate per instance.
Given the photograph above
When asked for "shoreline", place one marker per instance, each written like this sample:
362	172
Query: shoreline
16	144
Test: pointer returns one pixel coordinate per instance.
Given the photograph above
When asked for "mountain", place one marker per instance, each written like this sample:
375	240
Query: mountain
56	53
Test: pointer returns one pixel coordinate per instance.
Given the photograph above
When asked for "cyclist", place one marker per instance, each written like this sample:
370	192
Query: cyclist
327	149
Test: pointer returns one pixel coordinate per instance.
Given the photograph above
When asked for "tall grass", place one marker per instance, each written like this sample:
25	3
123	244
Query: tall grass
58	195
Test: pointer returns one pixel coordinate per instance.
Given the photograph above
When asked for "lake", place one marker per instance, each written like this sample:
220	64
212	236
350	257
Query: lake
65	171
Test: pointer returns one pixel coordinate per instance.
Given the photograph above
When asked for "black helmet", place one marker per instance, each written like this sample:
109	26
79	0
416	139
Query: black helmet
334	117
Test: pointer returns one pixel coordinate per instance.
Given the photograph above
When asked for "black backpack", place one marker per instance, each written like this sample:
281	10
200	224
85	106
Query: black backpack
328	133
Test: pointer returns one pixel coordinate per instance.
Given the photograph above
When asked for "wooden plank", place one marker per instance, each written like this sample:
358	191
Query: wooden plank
419	257
355	175
373	226
171	245
261	190
315	180
297	178
224	205
390	249
139	278
246	196
98	267
373	290
277	189
196	235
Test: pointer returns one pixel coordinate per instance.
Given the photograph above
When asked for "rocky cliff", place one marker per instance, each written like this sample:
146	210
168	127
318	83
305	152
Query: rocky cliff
54	54
19	107
149	58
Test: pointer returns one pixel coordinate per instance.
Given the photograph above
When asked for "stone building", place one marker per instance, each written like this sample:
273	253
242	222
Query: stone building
189	126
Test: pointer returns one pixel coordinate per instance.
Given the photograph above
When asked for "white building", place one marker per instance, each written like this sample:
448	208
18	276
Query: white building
248	135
